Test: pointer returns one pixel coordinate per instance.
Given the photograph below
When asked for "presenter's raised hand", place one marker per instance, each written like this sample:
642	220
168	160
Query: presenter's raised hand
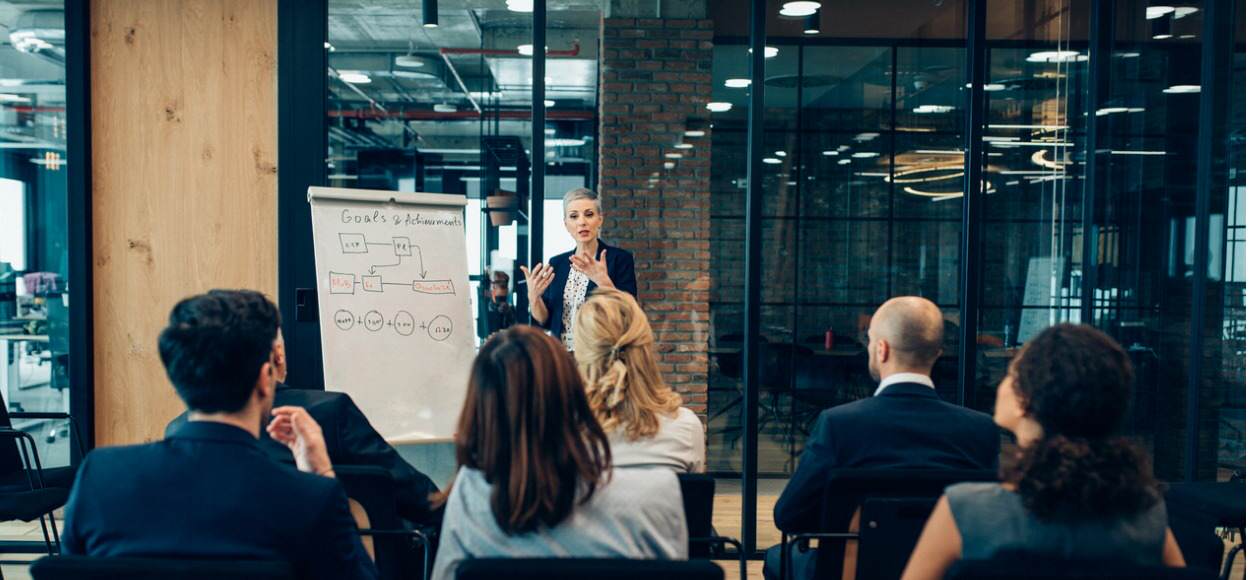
596	269
295	428
538	279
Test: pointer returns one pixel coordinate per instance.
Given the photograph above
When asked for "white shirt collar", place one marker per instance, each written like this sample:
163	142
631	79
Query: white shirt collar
897	378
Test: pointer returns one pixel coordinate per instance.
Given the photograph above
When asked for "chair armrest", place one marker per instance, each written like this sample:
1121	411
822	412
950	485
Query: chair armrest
21	437
38	415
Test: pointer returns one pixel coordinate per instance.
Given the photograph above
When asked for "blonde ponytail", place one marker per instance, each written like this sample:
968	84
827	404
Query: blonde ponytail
615	350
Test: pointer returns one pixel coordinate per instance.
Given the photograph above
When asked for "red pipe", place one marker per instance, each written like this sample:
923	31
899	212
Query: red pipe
576	50
423	115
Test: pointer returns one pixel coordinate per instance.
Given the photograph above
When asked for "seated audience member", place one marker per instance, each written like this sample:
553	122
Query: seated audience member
905	425
209	490
643	417
350	440
535	475
1075	491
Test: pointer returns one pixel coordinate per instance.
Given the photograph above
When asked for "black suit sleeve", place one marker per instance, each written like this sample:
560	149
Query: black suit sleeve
360	444
798	508
623	276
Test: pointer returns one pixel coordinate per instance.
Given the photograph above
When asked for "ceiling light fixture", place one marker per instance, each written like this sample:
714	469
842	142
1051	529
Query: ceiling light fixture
737	83
354	77
811	24
844	161
799	9
829	152
772	161
866	137
695	133
1183	11
1057	56
1110	111
549	103
779	153
521	5
429	13
769	51
1153	12
865	154
719	107
683	146
670	164
1182	89
931	109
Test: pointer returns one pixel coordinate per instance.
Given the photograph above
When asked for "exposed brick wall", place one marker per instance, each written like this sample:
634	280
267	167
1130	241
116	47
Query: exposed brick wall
656	77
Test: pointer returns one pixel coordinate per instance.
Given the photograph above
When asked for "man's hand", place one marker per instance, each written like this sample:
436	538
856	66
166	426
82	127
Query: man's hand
293	427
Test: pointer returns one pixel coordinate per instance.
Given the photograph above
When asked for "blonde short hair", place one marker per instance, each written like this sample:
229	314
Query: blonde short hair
582	193
615	351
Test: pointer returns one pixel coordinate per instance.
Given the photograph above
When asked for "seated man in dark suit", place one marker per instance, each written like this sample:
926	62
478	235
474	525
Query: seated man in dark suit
209	490
350	440
905	425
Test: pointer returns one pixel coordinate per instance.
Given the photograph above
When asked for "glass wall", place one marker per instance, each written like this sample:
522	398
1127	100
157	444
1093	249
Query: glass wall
445	105
34	223
865	127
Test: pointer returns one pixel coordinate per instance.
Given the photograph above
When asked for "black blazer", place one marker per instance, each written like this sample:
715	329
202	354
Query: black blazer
907	426
209	491
620	270
350	440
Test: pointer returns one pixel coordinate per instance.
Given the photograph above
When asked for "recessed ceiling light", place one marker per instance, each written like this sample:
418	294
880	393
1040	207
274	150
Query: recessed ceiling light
444	108
844	162
994	87
549	103
669	164
865	154
931	109
696	133
525	49
1110	111
737	83
521	5
1136	110
779	153
673	155
1183	11
1057	56
11	98
354	77
1128	54
865	137
719	107
1182	89
409	61
772	161
769	51
799	8
683	146
1153	12
829	153
565	142
1161	36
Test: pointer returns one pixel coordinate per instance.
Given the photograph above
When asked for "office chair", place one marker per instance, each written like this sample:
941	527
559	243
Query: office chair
698	490
89	568
374	489
582	568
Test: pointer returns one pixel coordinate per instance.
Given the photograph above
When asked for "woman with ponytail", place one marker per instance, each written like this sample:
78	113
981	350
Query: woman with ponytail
1075	491
643	417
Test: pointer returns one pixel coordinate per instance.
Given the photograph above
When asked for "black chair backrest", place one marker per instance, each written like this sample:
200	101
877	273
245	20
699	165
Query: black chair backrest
848	489
888	531
697	493
88	568
374	489
1031	567
11	466
582	568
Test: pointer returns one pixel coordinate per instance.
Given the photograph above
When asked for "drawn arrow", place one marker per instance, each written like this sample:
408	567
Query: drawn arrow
373	268
421	263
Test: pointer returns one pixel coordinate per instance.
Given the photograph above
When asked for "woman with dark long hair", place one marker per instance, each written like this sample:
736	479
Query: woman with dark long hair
1076	491
535	474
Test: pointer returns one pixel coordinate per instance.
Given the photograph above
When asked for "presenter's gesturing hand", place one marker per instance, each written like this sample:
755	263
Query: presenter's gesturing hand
538	279
295	428
595	269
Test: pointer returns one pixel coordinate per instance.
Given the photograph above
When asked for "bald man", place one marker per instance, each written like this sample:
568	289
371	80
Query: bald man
904	425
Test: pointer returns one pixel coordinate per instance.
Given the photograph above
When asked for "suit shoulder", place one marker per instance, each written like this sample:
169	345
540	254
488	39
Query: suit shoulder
971	415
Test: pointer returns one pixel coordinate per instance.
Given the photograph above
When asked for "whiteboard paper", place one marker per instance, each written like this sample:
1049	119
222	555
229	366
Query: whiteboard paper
393	298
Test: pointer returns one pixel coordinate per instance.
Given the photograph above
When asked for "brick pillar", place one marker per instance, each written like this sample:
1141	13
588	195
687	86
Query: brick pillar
656	79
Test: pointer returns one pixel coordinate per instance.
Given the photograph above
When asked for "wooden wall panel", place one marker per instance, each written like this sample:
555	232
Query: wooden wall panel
184	192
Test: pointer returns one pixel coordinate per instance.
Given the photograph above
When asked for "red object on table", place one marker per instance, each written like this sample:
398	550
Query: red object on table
829	338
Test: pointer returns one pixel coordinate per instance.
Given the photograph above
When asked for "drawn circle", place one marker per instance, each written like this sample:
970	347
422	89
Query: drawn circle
373	320
404	323
440	328
344	320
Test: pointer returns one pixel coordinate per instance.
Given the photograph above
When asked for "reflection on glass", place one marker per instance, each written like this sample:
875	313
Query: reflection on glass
34	299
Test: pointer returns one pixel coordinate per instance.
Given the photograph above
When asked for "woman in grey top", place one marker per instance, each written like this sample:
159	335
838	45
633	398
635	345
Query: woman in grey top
1076	491
535	474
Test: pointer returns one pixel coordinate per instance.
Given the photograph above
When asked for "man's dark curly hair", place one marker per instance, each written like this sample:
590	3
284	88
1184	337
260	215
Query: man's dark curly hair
1075	382
215	346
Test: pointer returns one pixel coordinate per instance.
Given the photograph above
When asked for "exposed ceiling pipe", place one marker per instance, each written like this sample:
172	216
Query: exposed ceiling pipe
427	115
451	67
572	52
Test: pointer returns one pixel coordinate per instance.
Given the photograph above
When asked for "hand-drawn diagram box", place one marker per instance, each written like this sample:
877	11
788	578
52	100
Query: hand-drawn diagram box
342	283
353	244
371	283
403	247
433	287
